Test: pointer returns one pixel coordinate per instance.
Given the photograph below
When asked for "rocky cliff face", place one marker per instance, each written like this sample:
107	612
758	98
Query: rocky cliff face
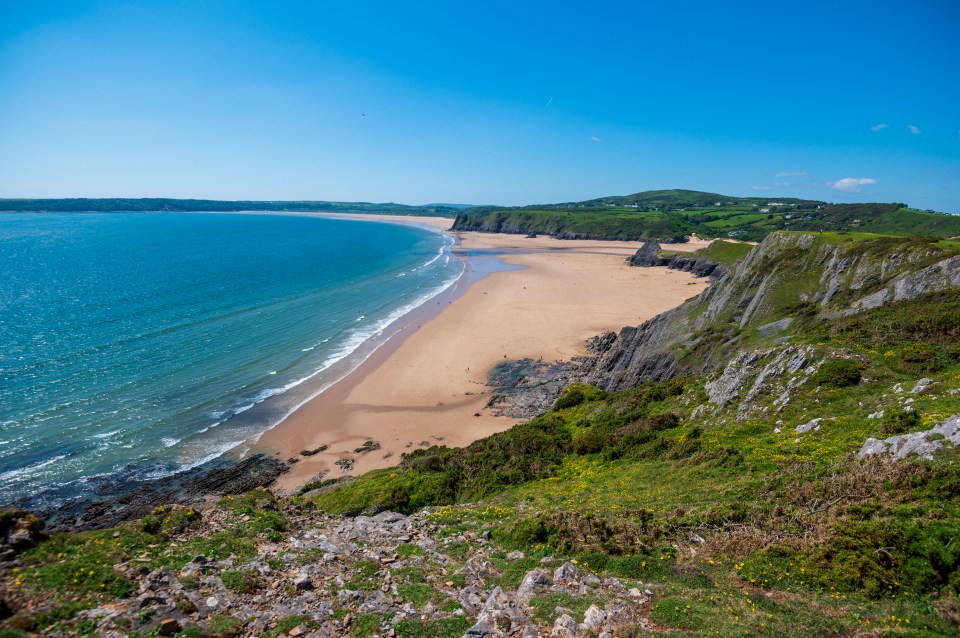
787	276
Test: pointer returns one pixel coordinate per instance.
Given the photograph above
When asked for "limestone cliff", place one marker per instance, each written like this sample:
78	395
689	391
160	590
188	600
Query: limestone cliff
789	276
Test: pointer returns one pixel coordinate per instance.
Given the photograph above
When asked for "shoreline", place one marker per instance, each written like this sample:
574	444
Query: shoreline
426	384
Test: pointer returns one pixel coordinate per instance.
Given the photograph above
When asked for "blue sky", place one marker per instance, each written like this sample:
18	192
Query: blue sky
487	102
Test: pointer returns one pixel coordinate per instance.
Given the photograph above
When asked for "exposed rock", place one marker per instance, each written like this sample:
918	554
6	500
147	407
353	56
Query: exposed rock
647	255
567	572
922	386
368	446
923	444
566	627
650	255
117	498
750	296
527	388
302	582
811	425
775	327
169	627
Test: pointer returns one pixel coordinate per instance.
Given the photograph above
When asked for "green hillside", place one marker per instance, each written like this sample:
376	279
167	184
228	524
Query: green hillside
669	214
717	489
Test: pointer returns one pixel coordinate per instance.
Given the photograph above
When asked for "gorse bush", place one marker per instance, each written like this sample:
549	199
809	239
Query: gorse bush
839	373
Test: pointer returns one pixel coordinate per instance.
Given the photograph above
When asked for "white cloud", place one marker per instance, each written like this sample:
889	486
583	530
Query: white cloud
914	129
879	127
851	184
789	174
761	188
594	138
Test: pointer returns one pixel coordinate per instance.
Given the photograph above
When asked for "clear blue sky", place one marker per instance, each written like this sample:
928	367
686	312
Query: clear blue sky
485	102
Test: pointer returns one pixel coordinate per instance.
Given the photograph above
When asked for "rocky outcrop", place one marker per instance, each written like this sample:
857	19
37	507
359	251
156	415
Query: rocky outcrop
527	388
649	255
755	299
325	573
517	225
943	275
924	444
112	500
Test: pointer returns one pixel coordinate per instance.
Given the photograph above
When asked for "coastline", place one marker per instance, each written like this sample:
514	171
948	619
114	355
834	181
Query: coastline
426	384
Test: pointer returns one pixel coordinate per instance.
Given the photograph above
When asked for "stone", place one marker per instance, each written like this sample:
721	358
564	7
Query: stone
593	618
922	385
566	627
516	555
212	601
483	627
567	571
923	444
774	327
532	579
812	425
302	582
169	627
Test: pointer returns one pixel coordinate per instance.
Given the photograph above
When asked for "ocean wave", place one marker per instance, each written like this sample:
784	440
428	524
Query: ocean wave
356	340
29	470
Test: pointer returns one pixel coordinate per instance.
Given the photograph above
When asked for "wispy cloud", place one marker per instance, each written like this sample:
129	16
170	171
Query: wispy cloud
761	188
594	138
851	184
879	127
791	174
549	102
914	129
781	184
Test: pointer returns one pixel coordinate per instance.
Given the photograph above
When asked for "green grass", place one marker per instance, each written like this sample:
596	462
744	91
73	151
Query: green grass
75	571
725	252
543	606
668	215
798	531
444	628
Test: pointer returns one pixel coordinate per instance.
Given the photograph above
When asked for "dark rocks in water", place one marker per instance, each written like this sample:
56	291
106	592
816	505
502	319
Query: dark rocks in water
527	388
532	236
649	255
119	499
316	450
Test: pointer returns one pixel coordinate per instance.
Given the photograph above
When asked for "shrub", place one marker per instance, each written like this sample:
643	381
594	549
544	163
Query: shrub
839	373
170	520
898	422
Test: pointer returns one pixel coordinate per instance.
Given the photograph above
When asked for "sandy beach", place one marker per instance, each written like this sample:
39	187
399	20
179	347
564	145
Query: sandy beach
427	385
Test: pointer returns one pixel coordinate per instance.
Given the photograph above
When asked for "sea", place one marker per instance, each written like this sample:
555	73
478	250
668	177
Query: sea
142	344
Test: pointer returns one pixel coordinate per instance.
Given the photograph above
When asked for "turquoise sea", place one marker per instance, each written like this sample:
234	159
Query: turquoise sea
146	343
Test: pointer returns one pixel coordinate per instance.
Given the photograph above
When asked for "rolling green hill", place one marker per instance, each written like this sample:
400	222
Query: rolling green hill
668	215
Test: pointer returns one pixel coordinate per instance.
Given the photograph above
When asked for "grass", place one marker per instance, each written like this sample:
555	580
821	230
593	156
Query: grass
75	571
444	628
543	606
792	529
725	252
671	215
